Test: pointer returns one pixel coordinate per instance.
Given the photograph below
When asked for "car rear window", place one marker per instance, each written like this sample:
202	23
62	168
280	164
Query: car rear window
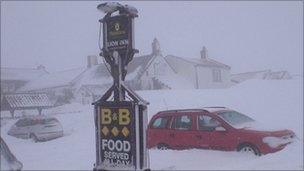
235	118
160	122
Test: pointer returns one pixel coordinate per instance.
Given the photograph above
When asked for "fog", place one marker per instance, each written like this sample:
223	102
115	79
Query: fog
247	36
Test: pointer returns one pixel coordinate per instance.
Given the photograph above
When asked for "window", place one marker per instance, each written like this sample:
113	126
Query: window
216	74
160	122
207	123
183	122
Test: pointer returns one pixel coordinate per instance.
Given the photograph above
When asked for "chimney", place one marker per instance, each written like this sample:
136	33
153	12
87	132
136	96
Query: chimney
155	47
91	61
204	53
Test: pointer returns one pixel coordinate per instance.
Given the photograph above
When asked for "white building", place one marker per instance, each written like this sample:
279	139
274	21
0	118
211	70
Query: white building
146	72
201	72
153	71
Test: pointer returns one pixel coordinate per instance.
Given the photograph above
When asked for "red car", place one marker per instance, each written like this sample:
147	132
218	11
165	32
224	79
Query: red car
216	128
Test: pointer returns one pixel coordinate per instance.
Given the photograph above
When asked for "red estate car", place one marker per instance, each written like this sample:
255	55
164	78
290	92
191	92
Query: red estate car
213	128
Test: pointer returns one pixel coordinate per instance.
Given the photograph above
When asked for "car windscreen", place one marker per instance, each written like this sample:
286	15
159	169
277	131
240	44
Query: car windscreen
235	118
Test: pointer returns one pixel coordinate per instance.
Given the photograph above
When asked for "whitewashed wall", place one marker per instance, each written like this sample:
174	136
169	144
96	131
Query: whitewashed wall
205	78
158	67
184	69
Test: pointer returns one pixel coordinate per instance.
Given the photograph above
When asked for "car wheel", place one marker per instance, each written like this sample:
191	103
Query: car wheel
162	147
34	137
249	149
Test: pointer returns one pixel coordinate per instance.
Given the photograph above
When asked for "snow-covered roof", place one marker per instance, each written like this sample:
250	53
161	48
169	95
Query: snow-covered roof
56	79
99	74
22	74
209	109
96	89
198	62
28	100
95	75
240	77
278	75
214	109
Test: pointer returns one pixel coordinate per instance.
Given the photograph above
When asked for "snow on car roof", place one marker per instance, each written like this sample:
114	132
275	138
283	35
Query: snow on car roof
209	109
215	109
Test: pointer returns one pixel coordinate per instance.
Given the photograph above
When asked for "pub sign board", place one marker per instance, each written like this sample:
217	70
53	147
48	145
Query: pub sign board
118	32
117	143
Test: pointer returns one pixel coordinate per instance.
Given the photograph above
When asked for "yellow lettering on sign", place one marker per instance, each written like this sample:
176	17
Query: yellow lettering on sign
124	116
106	116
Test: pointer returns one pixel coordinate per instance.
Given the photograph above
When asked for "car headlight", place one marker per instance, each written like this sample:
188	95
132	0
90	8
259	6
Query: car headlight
275	142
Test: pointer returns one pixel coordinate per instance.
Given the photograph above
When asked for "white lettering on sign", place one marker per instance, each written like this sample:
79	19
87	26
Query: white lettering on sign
118	145
115	155
112	43
117	162
124	42
118	43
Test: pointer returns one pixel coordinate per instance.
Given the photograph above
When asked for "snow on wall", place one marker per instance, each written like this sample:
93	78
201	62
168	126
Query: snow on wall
175	81
249	75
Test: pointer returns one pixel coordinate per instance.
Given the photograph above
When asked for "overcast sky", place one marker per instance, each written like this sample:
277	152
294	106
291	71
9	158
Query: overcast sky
248	36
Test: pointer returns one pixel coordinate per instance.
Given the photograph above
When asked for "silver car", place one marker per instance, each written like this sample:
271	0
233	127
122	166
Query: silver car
37	128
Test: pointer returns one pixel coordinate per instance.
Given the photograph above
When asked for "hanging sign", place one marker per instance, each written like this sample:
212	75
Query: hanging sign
118	33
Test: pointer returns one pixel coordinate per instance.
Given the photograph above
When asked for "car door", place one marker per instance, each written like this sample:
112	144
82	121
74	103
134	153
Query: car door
216	133
181	132
204	131
158	131
223	137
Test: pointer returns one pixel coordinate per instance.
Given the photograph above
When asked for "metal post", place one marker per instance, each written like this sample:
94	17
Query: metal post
137	137
117	76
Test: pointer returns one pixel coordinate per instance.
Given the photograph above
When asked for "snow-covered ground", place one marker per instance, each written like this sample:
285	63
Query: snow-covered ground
276	103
